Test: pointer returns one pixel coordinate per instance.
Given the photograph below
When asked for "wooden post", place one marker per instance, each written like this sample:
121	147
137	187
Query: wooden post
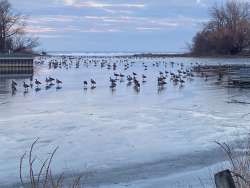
224	179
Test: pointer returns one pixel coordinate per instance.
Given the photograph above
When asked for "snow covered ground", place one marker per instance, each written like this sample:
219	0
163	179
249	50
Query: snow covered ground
124	138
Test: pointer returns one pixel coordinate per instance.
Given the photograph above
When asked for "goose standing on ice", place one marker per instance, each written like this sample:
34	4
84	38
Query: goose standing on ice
58	82
51	80
85	84
26	86
13	83
13	87
47	80
31	80
143	78
93	83
37	83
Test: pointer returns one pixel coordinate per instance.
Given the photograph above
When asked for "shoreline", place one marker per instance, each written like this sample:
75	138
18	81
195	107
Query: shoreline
188	55
130	174
148	55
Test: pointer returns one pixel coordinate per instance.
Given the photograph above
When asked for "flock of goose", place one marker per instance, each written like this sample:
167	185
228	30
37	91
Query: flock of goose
169	72
50	82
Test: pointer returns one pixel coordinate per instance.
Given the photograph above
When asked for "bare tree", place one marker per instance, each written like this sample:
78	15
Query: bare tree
12	30
227	32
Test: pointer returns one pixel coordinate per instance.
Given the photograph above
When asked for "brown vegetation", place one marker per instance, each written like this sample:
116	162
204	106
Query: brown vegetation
227	32
44	177
240	164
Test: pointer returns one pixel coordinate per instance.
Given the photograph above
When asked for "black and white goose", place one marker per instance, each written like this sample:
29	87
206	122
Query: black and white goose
58	82
26	86
38	83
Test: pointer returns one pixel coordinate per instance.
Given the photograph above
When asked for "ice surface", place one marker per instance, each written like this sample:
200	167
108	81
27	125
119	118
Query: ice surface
102	130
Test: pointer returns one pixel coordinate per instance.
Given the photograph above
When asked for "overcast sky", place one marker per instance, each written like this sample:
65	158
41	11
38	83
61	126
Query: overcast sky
114	25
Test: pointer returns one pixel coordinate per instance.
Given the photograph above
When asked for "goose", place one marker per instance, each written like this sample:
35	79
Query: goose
175	80
37	83
26	86
163	77
220	76
182	81
137	86
13	88
137	83
129	78
51	79
143	78
116	75
85	83
31	81
122	75
13	83
206	78
163	83
93	82
113	85
112	80
47	80
160	79
58	82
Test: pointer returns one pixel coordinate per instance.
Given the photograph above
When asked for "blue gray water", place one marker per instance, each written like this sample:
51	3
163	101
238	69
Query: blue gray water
102	129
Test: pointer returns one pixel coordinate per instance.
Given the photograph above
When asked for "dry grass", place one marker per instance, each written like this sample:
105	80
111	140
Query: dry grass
239	163
44	177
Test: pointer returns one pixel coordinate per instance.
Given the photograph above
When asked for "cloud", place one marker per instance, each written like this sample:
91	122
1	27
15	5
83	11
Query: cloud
70	2
44	36
96	4
107	7
40	29
100	19
201	3
148	28
63	24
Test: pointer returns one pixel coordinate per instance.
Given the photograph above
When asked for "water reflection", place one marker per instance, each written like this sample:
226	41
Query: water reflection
6	85
37	89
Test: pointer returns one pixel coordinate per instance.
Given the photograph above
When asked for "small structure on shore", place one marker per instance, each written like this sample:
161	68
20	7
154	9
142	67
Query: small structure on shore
16	64
235	74
241	75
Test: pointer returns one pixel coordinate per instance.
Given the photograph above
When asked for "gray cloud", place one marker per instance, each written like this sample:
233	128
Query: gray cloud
93	20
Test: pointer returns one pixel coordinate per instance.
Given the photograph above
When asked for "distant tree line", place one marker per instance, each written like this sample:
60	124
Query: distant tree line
227	32
13	35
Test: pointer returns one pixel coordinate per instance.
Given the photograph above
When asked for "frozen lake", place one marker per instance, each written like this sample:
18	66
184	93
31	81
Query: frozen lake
121	135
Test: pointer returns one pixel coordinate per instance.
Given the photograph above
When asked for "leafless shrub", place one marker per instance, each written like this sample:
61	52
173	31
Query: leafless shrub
227	32
239	163
13	31
44	177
